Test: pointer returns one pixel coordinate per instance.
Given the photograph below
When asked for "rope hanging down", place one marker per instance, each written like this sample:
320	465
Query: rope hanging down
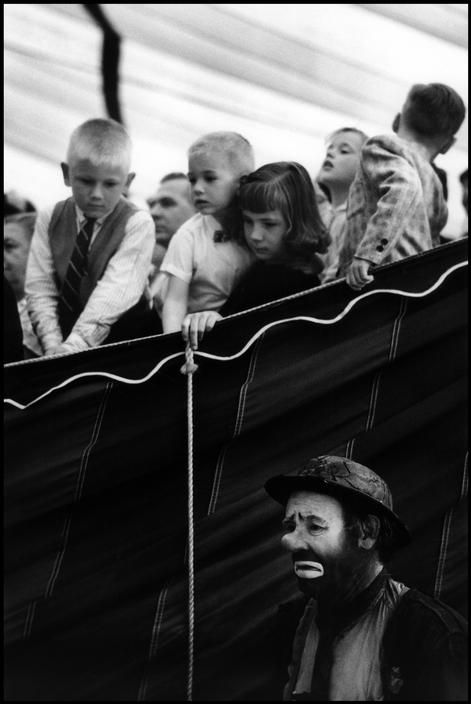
189	369
253	339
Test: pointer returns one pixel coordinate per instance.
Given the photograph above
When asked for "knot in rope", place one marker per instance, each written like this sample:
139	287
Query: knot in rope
189	367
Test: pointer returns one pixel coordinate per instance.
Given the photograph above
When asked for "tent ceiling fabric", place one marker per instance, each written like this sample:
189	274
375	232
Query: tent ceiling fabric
284	75
446	21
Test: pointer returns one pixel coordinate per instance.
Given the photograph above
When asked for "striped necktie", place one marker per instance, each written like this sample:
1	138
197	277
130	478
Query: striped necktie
69	301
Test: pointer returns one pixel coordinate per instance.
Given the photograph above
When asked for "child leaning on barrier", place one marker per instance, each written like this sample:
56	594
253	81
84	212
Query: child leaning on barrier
206	256
90	254
396	207
283	229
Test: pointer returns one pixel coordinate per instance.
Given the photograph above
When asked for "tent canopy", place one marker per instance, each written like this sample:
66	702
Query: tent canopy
284	75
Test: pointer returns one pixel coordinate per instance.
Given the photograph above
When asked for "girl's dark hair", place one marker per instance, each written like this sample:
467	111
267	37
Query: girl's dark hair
286	186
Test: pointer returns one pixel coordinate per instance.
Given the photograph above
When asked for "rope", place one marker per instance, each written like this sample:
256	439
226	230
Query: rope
253	339
189	369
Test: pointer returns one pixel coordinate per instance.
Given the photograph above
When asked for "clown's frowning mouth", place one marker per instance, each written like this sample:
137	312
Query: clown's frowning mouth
307	569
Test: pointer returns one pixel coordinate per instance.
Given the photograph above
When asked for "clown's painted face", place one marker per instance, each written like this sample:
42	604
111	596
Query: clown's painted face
325	557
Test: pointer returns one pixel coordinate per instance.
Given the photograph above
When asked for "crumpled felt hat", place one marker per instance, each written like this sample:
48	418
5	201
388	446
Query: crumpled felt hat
341	478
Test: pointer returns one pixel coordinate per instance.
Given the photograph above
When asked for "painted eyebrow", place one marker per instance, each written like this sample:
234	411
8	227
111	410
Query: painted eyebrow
309	516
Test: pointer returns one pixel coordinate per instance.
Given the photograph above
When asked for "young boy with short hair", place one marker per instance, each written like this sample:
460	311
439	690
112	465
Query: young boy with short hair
396	207
336	176
206	257
90	254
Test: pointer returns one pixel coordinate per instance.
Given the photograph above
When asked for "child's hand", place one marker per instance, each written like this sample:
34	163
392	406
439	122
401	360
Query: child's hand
195	325
64	348
357	275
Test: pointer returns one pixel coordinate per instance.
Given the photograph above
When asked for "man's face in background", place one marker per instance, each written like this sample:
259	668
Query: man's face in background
170	207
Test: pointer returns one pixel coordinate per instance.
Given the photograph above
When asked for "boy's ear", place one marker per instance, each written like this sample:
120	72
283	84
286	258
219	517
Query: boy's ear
396	122
447	145
65	173
130	178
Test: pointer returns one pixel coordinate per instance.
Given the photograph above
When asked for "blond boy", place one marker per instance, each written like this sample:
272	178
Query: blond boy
205	258
78	285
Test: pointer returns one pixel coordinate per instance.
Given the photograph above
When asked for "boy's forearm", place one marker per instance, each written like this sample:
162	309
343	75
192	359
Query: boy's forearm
42	311
175	305
173	314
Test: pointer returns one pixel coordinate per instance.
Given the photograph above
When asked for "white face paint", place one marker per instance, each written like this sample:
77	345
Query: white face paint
314	534
308	570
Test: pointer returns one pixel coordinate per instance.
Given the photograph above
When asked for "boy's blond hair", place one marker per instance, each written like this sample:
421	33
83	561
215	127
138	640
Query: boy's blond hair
237	150
353	130
101	141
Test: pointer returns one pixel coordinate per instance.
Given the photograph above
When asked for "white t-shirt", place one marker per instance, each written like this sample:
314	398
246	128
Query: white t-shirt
211	268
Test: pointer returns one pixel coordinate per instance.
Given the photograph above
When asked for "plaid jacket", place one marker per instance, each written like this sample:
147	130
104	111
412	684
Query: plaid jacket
396	206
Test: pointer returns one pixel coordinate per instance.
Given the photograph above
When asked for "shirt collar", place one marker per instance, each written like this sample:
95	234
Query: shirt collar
212	222
81	217
341	208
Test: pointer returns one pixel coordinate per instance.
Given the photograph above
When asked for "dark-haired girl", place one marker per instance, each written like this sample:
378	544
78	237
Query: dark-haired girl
283	229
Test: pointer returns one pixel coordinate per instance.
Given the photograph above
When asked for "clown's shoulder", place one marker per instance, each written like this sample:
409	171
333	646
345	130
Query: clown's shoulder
425	651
